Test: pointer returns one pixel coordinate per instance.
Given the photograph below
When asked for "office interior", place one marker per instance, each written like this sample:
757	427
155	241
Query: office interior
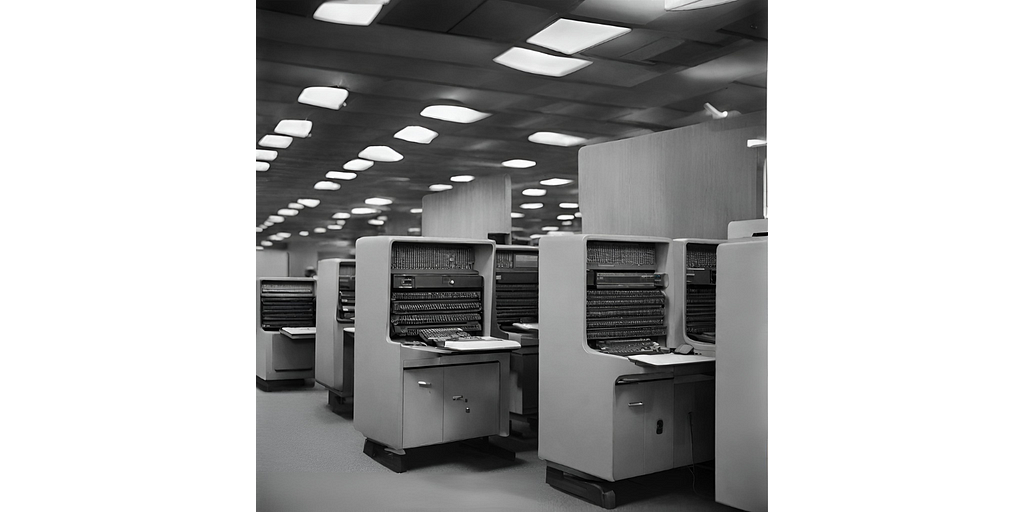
586	198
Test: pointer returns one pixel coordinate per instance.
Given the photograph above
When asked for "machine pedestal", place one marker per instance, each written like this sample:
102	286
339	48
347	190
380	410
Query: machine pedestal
484	445
277	385
596	491
339	404
379	453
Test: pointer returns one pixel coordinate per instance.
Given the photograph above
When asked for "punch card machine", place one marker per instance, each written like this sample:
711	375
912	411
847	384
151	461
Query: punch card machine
285	332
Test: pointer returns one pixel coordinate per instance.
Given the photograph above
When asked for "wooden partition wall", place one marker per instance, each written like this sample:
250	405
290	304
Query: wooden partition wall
688	182
472	210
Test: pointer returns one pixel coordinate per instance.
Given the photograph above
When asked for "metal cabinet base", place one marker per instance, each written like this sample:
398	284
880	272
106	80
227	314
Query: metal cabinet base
592	490
280	384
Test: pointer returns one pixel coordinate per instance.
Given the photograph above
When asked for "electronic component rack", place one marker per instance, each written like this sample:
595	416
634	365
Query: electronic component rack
696	259
410	394
603	298
515	318
335	313
283	360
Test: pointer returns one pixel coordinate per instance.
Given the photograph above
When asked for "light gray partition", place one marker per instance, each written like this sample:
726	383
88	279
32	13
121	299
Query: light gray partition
687	182
471	210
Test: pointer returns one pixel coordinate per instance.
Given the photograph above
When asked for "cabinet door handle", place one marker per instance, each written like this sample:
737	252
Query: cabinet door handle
457	397
636	404
424	384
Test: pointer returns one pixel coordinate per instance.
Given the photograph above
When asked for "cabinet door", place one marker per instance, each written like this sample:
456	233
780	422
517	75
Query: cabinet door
292	355
628	437
471	401
421	407
659	433
644	428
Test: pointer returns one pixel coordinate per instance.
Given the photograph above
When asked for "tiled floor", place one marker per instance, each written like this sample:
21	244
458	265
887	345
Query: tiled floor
310	459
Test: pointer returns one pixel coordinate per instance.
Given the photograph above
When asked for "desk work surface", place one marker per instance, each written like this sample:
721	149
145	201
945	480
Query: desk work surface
298	332
669	359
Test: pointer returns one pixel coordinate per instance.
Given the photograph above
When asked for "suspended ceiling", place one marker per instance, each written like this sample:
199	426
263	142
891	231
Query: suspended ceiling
418	53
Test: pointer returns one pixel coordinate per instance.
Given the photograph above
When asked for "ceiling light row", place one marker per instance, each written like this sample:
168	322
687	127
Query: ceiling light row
565	36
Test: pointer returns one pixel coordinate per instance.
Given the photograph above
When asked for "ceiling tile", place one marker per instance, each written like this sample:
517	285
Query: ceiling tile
432	15
498	20
639	12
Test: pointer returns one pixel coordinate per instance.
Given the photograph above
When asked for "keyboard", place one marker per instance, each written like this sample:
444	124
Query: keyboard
630	347
438	336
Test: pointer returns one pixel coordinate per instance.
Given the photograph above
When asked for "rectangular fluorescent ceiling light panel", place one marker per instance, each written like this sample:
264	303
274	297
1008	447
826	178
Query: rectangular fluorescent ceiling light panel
294	128
539	63
376	222
341	215
438	187
364	211
568	205
262	166
319	230
556	139
334	226
326	185
453	113
567	216
266	155
276	219
517	215
571	36
275	141
378	201
417	134
416	210
296	206
380	154
555	182
348	12
357	164
312	203
465	178
325	97
531	206
339	175
519	163
535	192
287	212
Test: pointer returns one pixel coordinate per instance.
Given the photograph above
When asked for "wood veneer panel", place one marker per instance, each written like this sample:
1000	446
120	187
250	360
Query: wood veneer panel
687	182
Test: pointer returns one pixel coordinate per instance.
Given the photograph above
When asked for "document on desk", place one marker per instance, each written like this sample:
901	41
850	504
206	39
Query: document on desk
486	343
668	359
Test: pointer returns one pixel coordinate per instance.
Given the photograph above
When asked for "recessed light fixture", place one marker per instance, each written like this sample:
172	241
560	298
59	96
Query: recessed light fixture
689	5
756	143
326	97
340	222
517	215
416	210
296	206
266	243
376	222
259	229
519	163
417	134
535	192
539	63
357	164
276	219
567	216
339	175
268	223
378	201
465	178
555	182
334	227
275	238
549	228
578	215
284	235
380	154
415	230
266	155
556	139
364	211
294	128
453	113
312	203
341	215
571	36
262	166
531	206
303	233
568	205
326	185
567	223
438	187
319	230
275	141
348	13
288	212
258	248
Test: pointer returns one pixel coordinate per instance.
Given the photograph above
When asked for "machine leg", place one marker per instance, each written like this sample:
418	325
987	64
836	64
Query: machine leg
484	445
277	385
338	404
596	492
390	460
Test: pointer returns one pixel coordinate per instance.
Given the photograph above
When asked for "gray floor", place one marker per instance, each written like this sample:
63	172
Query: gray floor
310	459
